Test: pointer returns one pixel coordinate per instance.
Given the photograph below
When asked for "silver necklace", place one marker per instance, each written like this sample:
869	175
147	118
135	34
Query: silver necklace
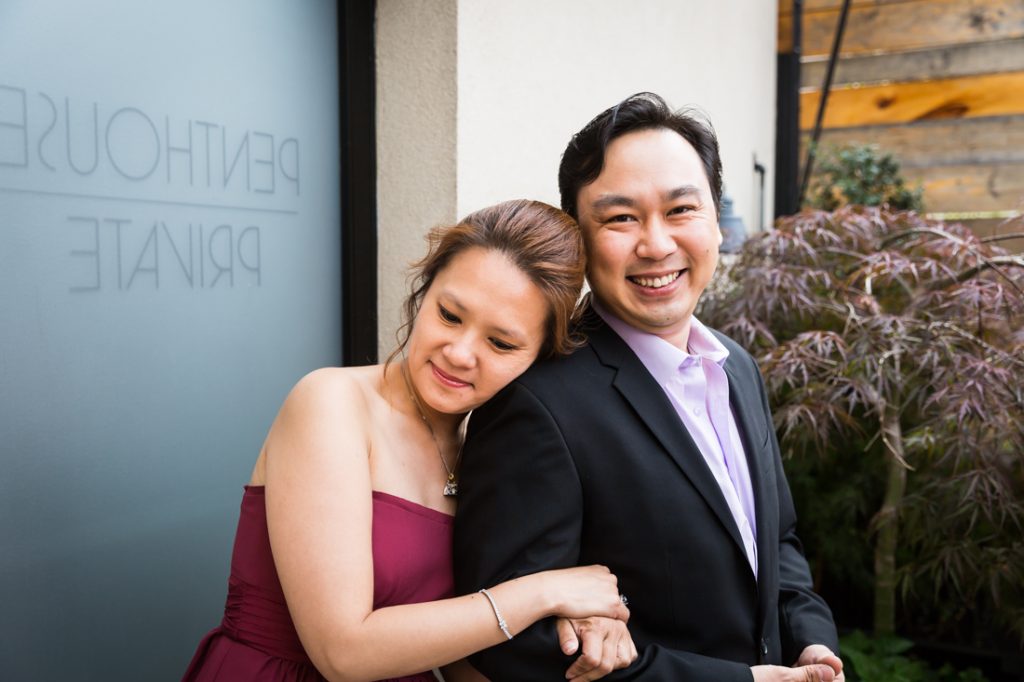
451	485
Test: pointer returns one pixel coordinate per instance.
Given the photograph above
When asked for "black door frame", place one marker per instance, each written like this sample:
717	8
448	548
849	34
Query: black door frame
357	93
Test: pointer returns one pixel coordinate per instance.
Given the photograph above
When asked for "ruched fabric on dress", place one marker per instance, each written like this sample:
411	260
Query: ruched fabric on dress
256	640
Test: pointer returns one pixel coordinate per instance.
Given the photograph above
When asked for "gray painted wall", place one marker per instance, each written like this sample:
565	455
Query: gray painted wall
169	267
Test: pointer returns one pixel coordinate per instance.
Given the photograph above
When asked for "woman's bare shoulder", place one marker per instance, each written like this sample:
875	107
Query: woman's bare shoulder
330	404
326	419
325	386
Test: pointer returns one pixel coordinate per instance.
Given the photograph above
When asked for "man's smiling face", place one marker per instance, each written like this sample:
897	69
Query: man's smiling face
651	232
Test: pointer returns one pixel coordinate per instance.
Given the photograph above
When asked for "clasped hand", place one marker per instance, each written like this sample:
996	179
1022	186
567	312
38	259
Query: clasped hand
817	663
593	623
606	646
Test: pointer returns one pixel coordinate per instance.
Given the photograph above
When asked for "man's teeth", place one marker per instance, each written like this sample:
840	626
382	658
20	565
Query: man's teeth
656	282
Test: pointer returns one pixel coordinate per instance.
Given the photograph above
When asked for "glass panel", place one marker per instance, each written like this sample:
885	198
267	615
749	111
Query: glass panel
169	267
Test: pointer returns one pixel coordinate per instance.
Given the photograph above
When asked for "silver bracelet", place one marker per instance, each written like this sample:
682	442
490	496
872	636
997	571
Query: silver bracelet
497	614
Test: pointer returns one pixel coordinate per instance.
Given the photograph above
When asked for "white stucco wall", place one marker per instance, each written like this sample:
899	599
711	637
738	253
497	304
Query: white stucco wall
416	142
533	72
530	73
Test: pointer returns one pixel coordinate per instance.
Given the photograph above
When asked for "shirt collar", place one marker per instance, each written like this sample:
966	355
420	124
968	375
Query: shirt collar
661	358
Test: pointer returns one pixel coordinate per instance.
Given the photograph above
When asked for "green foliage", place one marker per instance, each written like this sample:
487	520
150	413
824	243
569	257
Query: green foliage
859	175
887	659
865	313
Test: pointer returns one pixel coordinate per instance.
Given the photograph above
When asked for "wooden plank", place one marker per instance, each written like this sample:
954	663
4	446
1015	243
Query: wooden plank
785	35
997	139
946	62
993	187
784	38
906	25
786	7
967	97
970	187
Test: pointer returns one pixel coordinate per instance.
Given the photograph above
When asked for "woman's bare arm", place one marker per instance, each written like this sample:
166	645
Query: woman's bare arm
319	514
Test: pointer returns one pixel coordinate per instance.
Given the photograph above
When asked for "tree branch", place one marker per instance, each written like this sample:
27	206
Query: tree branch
1002	237
934	231
994	263
972	338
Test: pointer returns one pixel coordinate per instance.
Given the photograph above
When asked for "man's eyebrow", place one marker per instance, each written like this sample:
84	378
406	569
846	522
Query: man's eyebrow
615	200
682	191
609	200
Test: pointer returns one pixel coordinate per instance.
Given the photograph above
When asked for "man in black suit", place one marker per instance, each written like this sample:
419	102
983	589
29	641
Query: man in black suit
651	448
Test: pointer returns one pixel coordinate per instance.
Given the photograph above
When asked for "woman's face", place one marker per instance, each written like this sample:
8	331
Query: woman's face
480	326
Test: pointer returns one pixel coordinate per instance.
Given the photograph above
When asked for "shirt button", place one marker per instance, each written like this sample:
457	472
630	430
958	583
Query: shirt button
764	648
696	411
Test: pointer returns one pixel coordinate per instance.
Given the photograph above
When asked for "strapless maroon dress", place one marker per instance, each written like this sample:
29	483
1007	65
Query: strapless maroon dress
257	642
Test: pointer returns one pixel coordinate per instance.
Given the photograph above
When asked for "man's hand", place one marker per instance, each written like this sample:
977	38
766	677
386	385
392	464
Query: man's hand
817	663
816	672
607	646
821	654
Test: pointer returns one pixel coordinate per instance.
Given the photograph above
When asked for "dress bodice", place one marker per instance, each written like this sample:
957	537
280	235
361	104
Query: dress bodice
411	563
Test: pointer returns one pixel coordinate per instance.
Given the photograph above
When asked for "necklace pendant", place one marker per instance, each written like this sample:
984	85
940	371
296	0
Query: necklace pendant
451	489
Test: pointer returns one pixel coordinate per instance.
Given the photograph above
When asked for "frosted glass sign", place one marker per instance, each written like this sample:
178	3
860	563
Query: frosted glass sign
125	148
130	173
121	156
169	267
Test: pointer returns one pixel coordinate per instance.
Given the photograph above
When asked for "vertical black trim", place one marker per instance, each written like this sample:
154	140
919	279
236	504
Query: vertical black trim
357	91
826	88
787	123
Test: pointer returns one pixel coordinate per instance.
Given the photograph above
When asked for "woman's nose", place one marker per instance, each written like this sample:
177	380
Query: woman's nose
460	352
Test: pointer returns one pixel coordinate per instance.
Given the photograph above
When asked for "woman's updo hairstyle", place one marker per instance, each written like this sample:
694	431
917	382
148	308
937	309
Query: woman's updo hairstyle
542	241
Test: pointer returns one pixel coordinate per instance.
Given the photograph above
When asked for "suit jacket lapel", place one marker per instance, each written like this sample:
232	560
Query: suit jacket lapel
652	406
746	405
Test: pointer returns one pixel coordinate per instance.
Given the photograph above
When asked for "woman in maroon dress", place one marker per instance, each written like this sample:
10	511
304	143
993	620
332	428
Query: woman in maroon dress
341	567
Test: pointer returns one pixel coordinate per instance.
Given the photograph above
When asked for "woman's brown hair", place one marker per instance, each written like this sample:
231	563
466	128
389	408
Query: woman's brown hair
542	241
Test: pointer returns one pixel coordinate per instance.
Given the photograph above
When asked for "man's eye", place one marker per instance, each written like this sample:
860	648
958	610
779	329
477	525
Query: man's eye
682	209
447	315
502	345
621	218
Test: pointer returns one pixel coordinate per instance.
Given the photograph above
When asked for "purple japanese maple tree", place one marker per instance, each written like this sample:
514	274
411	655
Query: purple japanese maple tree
899	341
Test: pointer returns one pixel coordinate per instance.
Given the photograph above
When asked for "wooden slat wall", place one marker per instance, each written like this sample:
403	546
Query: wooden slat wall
997	56
996	94
904	24
937	83
995	140
982	187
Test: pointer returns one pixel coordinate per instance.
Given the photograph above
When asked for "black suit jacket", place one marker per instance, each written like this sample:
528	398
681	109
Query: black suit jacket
584	460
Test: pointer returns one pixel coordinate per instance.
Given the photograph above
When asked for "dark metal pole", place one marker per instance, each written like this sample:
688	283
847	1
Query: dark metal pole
825	89
787	121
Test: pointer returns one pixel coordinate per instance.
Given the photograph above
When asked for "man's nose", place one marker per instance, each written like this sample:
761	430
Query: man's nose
656	240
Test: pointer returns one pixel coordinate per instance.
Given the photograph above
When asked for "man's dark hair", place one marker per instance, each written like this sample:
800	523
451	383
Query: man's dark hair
583	159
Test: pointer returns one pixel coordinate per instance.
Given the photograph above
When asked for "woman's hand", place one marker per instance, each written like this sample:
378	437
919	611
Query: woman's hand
583	592
607	646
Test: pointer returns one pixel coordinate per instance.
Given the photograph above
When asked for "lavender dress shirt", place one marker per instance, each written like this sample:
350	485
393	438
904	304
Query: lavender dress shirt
696	384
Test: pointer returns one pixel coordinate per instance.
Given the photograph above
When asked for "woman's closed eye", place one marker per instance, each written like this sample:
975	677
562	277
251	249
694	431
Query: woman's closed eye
447	315
503	345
